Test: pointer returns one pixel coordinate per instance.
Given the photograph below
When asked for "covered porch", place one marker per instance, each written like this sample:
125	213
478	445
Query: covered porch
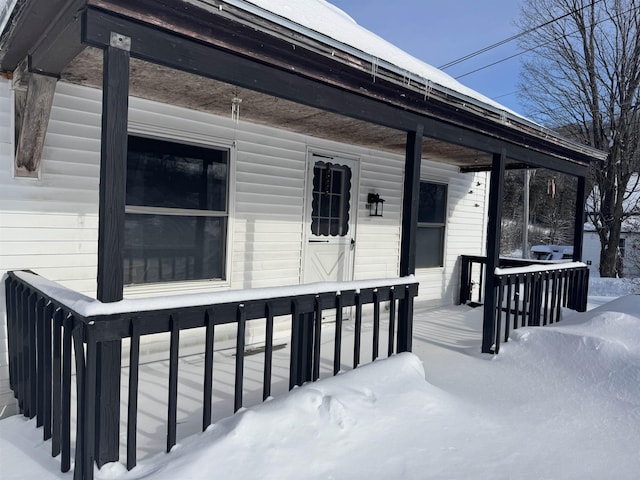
287	77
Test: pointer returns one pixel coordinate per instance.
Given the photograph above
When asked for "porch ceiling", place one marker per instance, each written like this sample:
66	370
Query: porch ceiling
155	82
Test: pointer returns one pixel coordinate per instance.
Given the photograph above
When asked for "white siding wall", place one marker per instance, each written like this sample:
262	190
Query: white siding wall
465	230
49	225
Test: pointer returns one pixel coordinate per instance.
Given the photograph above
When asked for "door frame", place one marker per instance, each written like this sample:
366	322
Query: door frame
313	153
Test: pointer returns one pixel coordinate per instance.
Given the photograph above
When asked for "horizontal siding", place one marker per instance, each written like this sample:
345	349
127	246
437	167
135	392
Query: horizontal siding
464	233
50	225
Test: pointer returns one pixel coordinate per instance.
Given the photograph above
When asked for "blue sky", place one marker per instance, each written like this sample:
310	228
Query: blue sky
440	31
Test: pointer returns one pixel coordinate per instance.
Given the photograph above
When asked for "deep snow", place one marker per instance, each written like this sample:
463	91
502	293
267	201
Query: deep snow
559	402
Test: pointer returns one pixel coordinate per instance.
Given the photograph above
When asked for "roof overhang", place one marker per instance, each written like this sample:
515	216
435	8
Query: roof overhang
324	89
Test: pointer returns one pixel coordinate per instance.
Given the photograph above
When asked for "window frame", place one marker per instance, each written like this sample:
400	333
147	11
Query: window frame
433	225
202	141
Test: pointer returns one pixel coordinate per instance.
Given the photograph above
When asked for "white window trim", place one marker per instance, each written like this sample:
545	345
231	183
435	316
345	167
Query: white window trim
199	140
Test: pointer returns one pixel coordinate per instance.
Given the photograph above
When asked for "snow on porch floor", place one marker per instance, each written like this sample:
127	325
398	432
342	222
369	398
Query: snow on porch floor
438	334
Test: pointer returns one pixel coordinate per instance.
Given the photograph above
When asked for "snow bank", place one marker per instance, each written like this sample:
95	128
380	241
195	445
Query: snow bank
559	402
613	287
598	350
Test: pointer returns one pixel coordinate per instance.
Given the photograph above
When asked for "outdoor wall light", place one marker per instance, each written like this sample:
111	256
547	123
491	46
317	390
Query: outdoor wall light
375	204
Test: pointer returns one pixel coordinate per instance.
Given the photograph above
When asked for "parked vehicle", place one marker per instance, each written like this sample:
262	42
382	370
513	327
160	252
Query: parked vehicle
552	252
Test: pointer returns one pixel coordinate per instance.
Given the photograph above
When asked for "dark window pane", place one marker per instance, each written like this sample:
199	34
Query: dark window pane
161	248
433	203
331	199
171	175
429	247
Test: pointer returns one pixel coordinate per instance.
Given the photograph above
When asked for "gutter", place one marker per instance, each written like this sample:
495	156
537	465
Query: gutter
327	46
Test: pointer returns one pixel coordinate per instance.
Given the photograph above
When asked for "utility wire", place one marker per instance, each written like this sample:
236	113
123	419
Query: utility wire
511	38
541	45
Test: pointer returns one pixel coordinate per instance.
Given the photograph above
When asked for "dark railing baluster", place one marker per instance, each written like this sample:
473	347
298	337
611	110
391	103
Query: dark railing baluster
65	425
545	286
11	288
21	346
317	337
47	365
241	319
358	331
132	410
554	296
91	368
507	319
516	299
294	364
337	346
41	377
498	292
208	369
81	441
268	352
376	324
483	268
392	321
172	413
561	285
56	385
523	300
31	370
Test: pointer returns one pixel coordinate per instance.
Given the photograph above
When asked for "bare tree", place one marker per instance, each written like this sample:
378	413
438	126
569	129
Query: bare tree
582	75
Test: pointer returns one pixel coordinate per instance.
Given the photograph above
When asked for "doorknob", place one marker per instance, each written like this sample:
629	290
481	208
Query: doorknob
353	244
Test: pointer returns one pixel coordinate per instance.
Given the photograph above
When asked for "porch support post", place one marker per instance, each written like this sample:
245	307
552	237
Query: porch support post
493	250
410	204
578	229
113	170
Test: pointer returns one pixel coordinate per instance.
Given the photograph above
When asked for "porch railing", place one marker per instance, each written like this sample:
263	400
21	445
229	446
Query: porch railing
473	274
526	293
48	325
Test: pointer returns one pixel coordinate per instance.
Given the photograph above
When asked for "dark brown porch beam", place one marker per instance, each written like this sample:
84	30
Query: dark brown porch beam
160	46
574	170
60	42
34	121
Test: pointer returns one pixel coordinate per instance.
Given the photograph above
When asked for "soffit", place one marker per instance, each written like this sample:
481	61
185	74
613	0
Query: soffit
155	82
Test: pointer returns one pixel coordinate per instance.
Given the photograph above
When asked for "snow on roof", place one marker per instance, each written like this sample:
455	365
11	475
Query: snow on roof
330	22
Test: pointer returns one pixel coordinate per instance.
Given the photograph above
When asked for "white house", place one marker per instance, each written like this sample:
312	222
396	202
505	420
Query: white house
194	146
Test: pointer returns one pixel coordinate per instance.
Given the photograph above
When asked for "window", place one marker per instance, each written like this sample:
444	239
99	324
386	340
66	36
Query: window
431	223
176	212
622	246
331	198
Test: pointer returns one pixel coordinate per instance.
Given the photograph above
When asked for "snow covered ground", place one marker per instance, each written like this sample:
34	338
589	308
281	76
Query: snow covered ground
560	402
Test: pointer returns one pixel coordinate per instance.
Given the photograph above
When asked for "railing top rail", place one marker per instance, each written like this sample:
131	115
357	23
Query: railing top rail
87	307
539	268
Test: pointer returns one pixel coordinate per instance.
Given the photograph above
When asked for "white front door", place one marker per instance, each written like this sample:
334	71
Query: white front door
332	200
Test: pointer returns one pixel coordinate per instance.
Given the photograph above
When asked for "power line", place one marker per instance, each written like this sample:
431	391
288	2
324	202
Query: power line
511	38
541	45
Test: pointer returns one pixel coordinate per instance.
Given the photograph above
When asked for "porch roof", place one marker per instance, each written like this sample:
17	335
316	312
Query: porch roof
292	77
